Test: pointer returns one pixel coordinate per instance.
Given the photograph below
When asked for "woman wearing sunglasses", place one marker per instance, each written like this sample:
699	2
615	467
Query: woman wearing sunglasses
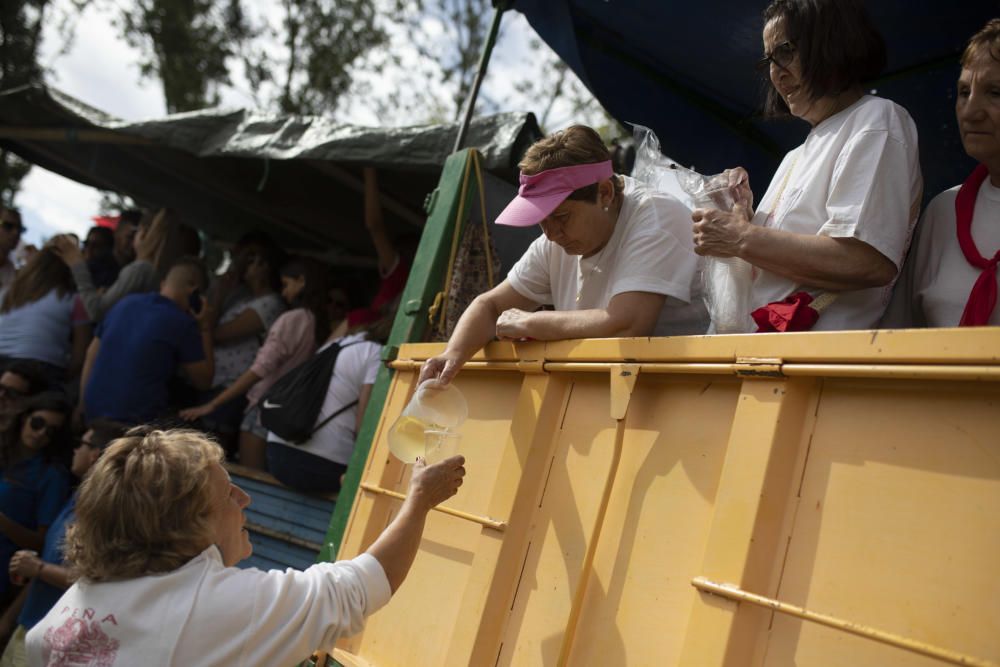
834	224
32	486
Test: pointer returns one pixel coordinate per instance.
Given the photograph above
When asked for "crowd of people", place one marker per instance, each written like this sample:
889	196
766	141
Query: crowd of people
131	330
129	335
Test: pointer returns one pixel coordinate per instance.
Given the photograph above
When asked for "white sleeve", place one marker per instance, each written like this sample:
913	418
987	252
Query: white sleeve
296	612
871	194
373	360
358	364
658	254
530	277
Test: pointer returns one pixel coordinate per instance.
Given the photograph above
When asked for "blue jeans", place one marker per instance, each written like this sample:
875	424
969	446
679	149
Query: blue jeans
302	471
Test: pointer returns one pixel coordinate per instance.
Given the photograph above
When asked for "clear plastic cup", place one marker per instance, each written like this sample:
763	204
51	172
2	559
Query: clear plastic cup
440	444
434	407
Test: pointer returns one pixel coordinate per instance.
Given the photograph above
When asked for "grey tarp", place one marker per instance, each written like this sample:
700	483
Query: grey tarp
296	177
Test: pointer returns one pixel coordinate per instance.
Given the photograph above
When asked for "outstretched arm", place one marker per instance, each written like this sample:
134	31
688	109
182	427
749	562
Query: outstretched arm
476	327
397	546
387	253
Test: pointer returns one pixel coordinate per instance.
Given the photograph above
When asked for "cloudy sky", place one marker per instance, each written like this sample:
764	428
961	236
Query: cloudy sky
101	71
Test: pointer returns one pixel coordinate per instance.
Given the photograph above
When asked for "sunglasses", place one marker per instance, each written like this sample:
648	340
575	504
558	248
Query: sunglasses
10	392
782	56
11	226
38	424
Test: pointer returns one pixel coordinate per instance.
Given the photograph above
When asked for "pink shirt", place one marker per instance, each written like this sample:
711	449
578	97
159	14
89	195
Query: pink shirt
290	342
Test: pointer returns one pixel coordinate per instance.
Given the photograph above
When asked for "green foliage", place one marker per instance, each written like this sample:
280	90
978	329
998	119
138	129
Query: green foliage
21	26
186	45
298	65
322	40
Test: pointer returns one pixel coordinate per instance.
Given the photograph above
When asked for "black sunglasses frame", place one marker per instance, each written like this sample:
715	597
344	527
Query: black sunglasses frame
786	48
39	424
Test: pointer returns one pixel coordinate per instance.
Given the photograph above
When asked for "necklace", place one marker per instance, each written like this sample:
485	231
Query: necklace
600	256
584	279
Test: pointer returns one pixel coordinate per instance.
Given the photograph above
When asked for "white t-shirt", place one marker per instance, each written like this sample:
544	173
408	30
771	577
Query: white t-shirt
357	365
233	358
650	250
937	279
856	176
207	614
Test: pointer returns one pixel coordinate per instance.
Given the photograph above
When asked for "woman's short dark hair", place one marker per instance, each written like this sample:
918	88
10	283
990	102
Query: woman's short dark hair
315	296
837	44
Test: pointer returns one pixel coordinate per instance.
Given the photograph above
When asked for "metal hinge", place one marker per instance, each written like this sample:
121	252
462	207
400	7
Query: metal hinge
531	366
752	367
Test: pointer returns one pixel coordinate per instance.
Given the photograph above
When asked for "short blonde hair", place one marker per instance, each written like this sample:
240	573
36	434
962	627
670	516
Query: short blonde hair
577	144
983	43
145	506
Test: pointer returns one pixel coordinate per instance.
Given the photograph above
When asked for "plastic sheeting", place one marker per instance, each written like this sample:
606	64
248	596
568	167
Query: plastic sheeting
297	177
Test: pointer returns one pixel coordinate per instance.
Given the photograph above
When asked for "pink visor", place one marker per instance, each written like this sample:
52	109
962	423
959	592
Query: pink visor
541	193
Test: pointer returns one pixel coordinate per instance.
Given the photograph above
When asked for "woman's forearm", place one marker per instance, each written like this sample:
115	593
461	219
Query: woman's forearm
59	576
819	261
396	548
24	538
475	328
238	388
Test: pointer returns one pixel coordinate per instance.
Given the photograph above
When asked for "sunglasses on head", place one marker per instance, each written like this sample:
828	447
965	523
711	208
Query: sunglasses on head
39	424
782	55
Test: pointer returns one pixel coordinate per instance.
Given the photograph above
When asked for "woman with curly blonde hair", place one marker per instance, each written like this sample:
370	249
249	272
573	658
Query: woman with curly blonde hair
159	527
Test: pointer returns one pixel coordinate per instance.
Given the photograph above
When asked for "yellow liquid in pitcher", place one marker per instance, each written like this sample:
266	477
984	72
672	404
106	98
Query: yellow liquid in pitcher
407	440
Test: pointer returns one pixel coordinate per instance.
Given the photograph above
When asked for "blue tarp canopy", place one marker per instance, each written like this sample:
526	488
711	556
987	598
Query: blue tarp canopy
686	69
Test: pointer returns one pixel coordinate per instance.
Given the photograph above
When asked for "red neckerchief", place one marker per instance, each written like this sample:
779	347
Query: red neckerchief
983	297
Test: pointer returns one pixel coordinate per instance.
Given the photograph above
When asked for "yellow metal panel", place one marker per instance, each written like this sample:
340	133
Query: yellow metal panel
560	527
409	631
899	526
769	429
657	523
872	500
521	473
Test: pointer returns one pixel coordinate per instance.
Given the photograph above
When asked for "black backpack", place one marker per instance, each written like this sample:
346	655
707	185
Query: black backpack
291	406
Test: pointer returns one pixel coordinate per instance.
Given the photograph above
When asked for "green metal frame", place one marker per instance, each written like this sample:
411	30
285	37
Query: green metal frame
430	266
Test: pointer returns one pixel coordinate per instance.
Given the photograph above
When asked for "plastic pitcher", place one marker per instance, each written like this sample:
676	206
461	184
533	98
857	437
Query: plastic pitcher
430	420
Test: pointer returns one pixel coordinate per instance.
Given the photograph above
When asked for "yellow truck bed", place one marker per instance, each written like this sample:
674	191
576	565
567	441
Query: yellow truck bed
614	484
